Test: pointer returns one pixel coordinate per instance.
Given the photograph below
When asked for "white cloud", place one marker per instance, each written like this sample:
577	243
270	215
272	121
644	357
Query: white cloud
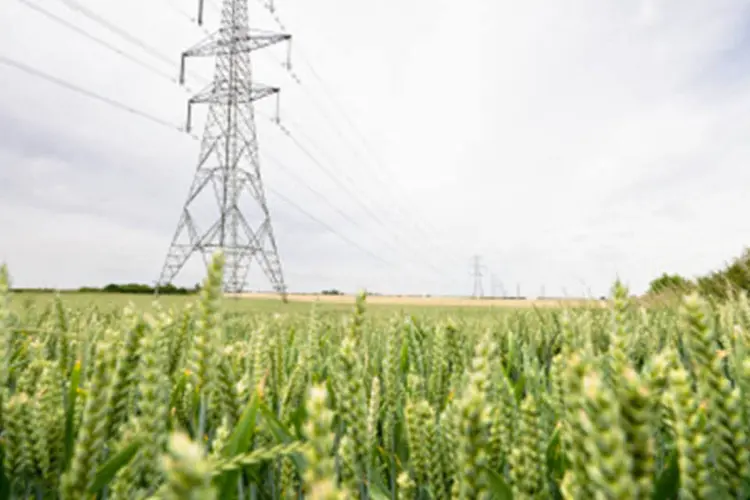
565	142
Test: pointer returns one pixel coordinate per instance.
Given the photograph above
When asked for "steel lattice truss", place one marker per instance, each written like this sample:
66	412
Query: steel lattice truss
228	167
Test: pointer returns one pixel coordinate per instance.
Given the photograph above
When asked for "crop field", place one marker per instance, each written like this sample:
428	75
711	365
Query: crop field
210	397
254	302
423	302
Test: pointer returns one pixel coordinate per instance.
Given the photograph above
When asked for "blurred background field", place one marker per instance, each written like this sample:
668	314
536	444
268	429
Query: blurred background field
302	303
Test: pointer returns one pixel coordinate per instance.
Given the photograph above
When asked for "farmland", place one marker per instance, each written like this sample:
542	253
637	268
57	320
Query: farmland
268	302
215	397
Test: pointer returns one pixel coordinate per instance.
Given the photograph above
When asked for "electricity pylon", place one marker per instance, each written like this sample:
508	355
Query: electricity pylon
476	272
228	165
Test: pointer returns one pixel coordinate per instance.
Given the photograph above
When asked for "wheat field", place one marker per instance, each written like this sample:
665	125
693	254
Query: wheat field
202	399
424	301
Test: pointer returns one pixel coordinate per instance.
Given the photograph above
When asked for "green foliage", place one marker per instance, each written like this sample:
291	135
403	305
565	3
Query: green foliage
137	288
670	283
734	277
721	284
192	402
127	288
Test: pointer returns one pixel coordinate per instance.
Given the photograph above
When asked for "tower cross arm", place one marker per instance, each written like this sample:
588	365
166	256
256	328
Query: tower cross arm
222	94
221	43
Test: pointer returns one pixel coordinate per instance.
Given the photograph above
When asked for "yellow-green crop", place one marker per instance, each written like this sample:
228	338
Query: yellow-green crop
197	402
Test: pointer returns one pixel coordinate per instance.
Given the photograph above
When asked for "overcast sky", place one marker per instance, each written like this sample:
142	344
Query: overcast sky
564	142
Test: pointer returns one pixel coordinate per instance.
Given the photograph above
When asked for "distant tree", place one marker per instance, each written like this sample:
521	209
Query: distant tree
720	284
332	291
712	285
141	289
670	283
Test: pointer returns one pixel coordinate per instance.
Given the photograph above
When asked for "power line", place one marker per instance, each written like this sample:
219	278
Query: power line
86	34
178	10
228	161
338	131
85	92
321	196
124	107
329	228
324	169
328	173
370	212
81	9
336	179
112	102
284	64
230	139
343	187
78	7
124	34
368	148
343	113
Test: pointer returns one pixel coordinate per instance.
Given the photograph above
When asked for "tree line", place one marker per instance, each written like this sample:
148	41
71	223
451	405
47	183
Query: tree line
733	277
129	288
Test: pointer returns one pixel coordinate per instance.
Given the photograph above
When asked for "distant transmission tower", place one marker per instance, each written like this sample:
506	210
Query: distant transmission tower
228	178
477	271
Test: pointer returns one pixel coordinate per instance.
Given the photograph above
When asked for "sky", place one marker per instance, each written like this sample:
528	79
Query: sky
566	143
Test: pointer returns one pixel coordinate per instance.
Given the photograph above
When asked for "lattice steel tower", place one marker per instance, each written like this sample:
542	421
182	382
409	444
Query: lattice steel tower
228	166
477	273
